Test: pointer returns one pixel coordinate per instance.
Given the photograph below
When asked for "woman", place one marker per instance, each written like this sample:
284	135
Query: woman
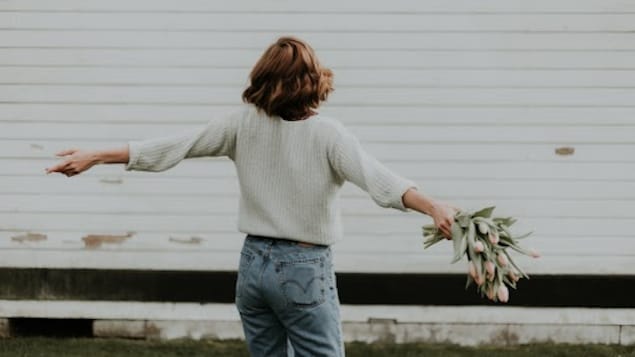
291	163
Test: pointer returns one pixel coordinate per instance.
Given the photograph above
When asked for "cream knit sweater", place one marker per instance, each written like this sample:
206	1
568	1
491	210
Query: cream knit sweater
290	172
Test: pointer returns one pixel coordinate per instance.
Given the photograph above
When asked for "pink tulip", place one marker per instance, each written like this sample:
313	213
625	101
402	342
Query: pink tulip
489	267
479	280
478	247
503	293
493	237
502	260
513	276
491	293
534	253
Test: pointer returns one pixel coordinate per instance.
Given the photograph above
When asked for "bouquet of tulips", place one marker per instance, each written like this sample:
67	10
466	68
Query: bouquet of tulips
485	239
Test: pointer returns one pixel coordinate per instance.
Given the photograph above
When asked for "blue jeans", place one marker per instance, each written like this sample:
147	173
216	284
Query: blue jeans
287	298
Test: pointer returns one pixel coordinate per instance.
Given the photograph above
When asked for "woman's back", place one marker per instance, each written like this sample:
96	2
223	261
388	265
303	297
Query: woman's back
288	188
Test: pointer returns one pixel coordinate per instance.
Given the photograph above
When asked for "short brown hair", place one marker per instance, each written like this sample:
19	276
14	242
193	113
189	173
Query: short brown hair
288	80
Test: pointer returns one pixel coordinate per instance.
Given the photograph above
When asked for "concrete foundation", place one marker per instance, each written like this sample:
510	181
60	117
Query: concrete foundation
462	325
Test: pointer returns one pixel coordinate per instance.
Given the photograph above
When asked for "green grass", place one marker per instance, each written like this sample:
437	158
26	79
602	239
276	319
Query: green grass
94	347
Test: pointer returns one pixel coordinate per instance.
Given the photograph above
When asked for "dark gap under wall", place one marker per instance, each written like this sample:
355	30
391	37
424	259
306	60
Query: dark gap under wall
615	291
31	327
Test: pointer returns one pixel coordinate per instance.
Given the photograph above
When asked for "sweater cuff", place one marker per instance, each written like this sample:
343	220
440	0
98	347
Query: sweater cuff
133	155
402	187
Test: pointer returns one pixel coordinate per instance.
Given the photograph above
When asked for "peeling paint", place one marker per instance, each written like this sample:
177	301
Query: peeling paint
93	241
190	240
29	237
565	150
117	181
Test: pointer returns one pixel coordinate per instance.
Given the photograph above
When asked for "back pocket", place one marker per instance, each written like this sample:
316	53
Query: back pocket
302	282
246	257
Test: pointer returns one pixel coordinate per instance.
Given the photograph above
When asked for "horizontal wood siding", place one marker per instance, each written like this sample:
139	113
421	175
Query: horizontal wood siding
476	101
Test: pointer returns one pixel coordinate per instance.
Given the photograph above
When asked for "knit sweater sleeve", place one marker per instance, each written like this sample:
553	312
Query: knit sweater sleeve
352	163
216	138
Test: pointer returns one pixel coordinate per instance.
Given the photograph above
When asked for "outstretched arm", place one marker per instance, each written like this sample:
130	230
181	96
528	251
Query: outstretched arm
352	163
217	138
77	161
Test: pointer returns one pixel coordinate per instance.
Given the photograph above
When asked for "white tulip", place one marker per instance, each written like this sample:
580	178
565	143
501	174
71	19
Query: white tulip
483	228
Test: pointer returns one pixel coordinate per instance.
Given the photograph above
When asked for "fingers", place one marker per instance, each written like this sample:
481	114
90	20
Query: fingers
67	152
446	228
62	166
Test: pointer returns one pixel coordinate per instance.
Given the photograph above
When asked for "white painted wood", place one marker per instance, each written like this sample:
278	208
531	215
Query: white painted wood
356	202
610	41
128	75
587	97
469	99
414	133
367	114
431	170
341	22
466	189
486	6
392	151
241	60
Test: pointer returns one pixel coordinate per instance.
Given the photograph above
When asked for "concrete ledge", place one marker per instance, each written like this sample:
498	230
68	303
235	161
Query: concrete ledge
5	330
464	325
120	328
627	335
382	331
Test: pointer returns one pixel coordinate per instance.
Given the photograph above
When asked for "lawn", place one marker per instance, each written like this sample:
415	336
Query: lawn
94	347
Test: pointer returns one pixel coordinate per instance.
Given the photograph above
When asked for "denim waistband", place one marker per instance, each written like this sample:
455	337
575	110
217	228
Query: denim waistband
275	240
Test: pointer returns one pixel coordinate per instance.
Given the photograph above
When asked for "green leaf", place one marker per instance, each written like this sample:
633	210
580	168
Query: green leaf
463	220
524	235
468	282
513	263
485	212
458	253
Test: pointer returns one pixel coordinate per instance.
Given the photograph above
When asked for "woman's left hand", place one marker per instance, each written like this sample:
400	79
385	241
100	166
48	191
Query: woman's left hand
76	161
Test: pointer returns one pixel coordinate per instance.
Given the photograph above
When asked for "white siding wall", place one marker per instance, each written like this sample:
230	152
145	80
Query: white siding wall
468	98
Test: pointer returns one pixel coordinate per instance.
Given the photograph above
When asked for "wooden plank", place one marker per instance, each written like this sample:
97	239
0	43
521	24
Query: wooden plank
395	151
354	203
344	22
221	168
585	97
345	262
367	114
320	41
173	6
230	243
464	188
204	223
339	60
516	134
348	77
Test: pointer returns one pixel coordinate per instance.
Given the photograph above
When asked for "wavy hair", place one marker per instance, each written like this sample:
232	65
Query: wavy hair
288	80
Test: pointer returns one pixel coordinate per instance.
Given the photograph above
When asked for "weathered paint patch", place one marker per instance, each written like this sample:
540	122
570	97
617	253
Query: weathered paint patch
29	237
190	240
565	150
93	241
116	181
